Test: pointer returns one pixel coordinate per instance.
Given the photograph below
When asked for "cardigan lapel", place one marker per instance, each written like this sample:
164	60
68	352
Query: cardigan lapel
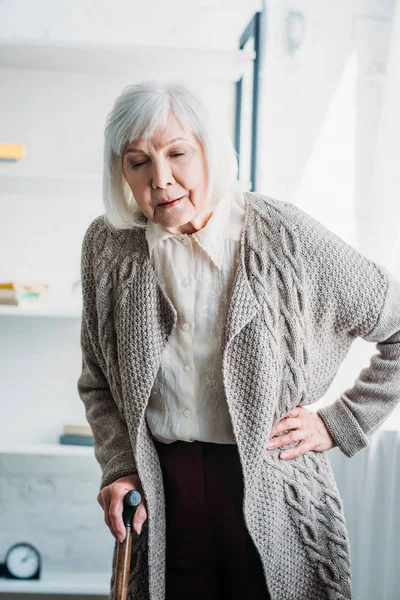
242	304
145	321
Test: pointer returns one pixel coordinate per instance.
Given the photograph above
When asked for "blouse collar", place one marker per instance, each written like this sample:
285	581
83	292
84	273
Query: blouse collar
225	222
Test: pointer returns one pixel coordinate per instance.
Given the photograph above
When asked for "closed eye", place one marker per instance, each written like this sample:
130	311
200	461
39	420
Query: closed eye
137	165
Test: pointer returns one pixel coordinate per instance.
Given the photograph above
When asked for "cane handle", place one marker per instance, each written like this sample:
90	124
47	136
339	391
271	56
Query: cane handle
124	551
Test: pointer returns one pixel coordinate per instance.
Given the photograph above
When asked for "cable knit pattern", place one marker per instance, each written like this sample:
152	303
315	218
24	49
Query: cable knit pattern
278	285
299	298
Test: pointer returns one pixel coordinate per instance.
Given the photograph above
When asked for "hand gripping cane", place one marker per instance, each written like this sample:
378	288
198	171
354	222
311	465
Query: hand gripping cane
131	501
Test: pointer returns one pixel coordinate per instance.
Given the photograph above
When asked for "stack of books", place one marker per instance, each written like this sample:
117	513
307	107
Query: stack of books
16	293
77	435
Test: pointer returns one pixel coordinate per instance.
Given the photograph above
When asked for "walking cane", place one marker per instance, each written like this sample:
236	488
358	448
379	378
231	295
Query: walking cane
124	551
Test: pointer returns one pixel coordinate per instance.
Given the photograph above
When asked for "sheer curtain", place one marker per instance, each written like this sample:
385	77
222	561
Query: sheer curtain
369	482
386	171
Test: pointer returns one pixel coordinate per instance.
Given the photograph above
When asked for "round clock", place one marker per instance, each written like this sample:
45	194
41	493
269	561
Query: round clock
22	561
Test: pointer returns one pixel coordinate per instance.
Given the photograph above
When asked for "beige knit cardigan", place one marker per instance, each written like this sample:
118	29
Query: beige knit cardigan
300	297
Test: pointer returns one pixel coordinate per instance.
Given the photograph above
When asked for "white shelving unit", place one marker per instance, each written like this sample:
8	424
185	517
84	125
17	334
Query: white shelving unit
47	449
162	61
15	179
60	583
42	62
40	311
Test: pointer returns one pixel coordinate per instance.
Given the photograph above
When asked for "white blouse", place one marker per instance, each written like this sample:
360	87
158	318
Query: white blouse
196	271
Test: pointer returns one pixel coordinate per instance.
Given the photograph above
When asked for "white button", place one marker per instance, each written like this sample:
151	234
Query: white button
186	326
186	368
186	413
185	241
184	283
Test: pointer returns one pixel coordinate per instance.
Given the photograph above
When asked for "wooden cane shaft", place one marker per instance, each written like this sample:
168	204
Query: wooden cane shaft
123	565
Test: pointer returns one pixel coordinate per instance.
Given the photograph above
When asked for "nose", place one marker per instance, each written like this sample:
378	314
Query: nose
161	174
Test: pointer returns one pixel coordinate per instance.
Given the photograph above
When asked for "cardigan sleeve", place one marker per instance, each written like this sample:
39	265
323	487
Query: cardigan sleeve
360	410
112	447
354	297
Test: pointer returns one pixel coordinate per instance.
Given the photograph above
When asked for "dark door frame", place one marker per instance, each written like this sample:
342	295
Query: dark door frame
252	31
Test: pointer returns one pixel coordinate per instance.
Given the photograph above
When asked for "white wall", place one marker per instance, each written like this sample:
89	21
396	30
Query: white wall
206	24
50	502
311	147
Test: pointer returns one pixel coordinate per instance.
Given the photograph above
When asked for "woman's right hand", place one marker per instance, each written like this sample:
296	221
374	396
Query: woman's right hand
111	499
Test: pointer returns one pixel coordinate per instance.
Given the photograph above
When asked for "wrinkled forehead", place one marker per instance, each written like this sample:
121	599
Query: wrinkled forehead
159	144
160	137
157	125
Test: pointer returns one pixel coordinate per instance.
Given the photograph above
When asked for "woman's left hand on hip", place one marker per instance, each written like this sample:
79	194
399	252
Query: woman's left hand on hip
307	428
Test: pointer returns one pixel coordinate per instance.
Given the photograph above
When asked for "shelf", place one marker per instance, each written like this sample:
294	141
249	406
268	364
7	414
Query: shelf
129	61
61	583
40	311
47	450
15	179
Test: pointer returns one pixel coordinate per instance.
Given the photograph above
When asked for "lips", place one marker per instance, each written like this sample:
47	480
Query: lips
170	200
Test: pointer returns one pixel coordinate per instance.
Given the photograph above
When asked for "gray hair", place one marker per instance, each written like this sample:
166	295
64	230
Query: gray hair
137	112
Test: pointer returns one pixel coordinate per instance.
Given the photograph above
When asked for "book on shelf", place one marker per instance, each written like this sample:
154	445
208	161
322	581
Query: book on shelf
78	430
76	440
36	288
13	298
15	293
12	151
77	434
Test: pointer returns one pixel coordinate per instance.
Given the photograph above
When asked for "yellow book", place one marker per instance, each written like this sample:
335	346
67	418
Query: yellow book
12	151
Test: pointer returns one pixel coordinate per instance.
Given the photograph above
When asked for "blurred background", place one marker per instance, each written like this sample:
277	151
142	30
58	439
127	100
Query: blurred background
310	93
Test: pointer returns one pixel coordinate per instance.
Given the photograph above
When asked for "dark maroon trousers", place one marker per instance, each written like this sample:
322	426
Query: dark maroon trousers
209	552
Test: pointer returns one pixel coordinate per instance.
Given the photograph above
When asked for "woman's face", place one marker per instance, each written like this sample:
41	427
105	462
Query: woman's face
170	165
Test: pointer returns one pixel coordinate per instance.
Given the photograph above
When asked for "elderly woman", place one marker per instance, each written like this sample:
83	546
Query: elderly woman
211	318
